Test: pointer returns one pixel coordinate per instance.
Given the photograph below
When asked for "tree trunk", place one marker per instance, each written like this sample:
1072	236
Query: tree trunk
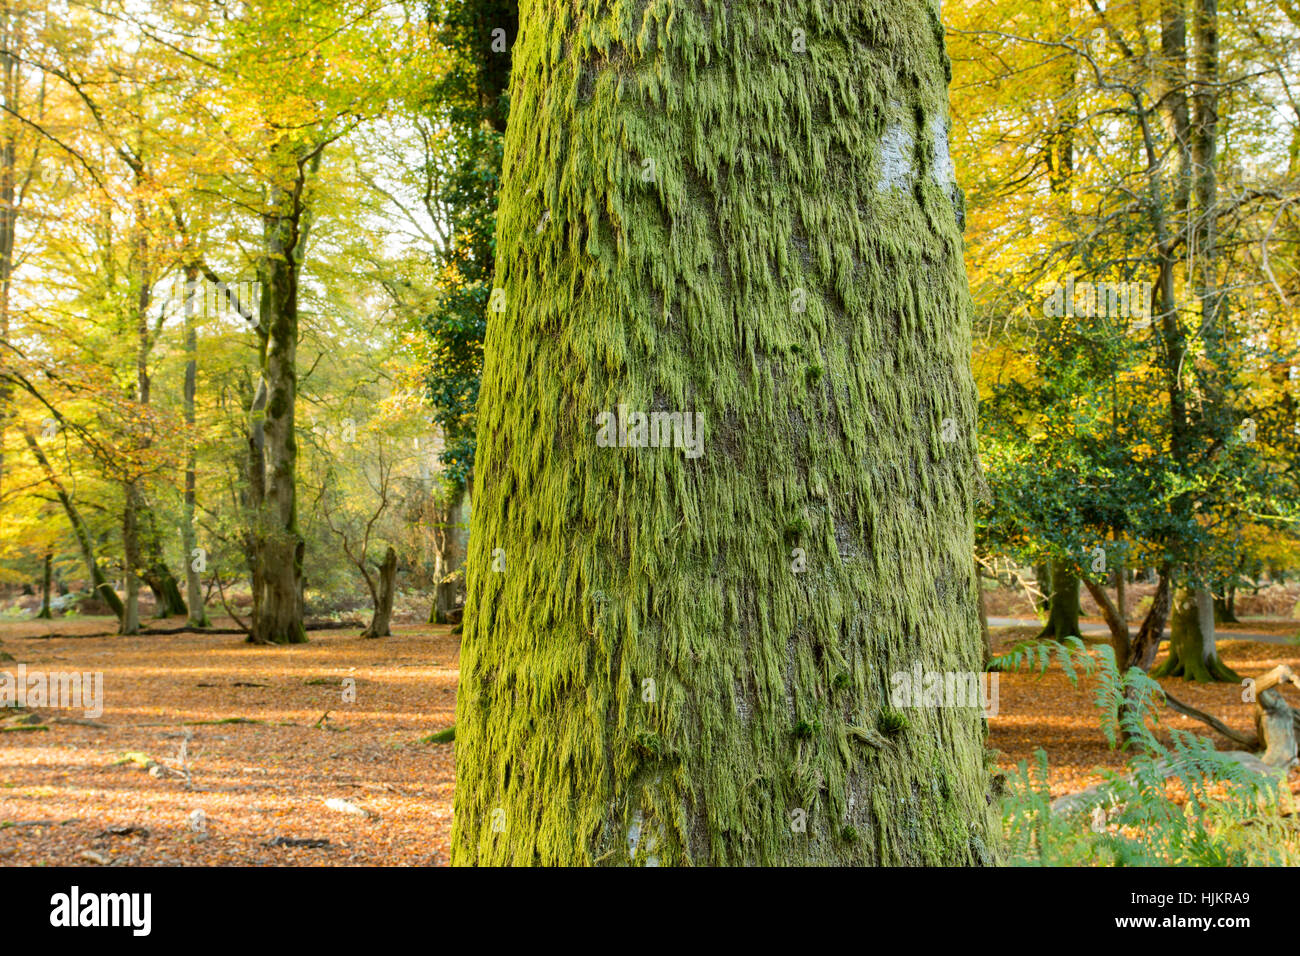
1121	593
383	615
133	490
277	578
451	561
166	591
1063	610
685	654
100	586
1043	580
1146	644
11	86
1225	607
47	583
129	622
1192	651
986	639
198	614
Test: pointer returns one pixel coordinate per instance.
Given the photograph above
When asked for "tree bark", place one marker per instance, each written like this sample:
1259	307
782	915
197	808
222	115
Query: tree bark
47	583
129	623
1120	638
725	216
1192	651
380	621
11	47
166	591
1063	608
197	613
451	560
1043	578
154	570
277	577
1146	644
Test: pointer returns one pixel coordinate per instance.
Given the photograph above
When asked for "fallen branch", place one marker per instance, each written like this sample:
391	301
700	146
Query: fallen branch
221	590
1246	740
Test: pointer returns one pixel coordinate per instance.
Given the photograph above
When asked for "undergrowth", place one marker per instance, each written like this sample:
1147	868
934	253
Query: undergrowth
1179	803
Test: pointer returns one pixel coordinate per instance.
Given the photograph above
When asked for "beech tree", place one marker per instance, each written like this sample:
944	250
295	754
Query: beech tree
743	216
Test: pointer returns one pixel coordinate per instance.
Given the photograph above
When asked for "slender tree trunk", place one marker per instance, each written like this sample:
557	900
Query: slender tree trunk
694	653
986	639
129	622
132	545
47	583
1121	592
380	621
11	78
1145	646
451	560
84	541
198	614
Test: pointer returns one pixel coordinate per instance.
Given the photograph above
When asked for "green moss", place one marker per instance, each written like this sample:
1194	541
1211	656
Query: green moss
441	736
891	722
849	834
806	730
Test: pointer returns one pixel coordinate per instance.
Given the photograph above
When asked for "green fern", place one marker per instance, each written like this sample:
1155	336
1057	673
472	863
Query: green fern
1232	815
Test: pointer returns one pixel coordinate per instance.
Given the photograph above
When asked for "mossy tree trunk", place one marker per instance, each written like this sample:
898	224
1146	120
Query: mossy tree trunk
744	212
1192	652
277	543
1063	608
168	601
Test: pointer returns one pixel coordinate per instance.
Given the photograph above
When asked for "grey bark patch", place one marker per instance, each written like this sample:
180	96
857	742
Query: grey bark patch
896	148
634	832
942	170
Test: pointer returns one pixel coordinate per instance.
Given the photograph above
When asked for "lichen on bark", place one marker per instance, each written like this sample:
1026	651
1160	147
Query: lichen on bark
691	220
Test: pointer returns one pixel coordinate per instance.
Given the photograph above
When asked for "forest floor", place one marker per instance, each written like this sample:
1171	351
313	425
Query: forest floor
272	739
262	762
